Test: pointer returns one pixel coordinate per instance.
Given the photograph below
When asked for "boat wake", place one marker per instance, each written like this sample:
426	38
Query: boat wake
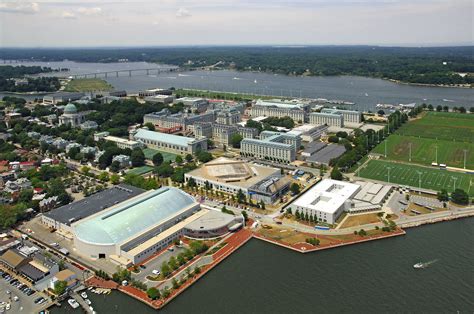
422	265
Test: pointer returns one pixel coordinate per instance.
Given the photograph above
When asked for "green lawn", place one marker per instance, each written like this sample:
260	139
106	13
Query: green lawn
140	170
149	152
87	85
431	178
449	126
423	151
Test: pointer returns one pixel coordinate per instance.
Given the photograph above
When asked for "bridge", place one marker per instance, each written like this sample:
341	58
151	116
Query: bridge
131	72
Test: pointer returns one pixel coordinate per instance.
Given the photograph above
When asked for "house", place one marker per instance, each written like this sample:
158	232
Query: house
48	203
65	275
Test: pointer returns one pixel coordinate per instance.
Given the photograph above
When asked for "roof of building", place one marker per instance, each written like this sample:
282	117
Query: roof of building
70	109
93	204
280	104
210	221
13	258
329	152
234	172
64	275
31	271
130	218
327	196
163	137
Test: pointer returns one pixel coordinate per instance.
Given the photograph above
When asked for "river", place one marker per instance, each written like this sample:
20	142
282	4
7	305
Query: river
373	277
365	92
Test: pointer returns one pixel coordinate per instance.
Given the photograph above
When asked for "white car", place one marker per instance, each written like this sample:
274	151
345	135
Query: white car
155	272
15	298
8	306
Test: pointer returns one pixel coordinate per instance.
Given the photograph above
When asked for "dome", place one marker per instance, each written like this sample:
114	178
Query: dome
70	109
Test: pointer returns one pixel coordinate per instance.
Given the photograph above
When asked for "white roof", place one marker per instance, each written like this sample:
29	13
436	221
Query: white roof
327	196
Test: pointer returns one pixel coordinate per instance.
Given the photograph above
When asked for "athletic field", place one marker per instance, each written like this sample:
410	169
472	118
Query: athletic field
423	151
449	126
431	178
149	152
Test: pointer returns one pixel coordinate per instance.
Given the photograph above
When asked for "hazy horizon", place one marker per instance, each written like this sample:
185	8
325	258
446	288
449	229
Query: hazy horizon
170	23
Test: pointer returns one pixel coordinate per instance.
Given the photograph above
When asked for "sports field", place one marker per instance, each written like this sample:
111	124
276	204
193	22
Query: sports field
456	127
403	174
149	152
423	151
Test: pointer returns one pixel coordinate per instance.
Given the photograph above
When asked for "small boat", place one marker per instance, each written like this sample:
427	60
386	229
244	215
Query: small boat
88	302
90	288
366	95
84	295
255	81
73	303
419	265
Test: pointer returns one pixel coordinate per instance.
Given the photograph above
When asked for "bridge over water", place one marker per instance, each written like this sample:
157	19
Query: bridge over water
127	72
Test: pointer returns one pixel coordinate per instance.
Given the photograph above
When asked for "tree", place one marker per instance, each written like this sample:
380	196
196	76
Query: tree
333	139
115	179
336	174
165	269
460	197
191	183
153	293
115	166
235	140
174	283
443	196
137	157
164	170
430	107
245	215
150	126
439	108
157	159
240	196
60	287
25	196
362	232
103	176
73	152
295	188
179	159
204	156
188	157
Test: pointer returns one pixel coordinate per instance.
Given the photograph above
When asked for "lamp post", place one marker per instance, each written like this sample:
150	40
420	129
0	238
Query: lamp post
419	181
409	159
465	153
388	168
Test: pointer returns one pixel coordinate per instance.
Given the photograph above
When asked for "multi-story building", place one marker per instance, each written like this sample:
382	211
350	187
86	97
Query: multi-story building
123	143
228	116
294	113
193	103
154	92
164	119
309	132
71	116
331	119
349	116
274	146
53	99
160	99
171	143
202	129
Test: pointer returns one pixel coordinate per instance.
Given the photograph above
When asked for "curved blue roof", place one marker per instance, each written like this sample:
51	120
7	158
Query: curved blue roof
132	217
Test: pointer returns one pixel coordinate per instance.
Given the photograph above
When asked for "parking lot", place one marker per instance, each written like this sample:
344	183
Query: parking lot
155	263
13	300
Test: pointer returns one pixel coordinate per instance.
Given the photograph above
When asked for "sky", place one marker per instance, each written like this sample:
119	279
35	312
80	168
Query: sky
84	23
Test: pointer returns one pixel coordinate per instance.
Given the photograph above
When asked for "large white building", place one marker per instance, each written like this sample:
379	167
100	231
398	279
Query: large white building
260	183
275	146
71	116
349	116
131	231
171	143
123	143
327	200
331	119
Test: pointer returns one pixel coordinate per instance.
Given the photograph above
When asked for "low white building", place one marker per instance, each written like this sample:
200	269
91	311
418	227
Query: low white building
327	200
123	143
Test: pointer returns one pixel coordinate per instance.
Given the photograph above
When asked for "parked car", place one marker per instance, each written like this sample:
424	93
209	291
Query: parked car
155	272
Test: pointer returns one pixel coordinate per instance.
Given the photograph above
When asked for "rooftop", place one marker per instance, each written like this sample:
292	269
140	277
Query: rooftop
130	218
327	196
163	137
93	204
234	172
211	220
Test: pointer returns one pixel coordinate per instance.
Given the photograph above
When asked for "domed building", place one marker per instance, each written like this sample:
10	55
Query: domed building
71	116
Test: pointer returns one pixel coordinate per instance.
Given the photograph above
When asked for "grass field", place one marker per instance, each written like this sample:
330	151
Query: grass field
403	174
140	170
423	151
149	152
441	125
87	85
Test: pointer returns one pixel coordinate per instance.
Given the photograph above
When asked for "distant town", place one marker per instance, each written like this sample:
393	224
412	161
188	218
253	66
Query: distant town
146	192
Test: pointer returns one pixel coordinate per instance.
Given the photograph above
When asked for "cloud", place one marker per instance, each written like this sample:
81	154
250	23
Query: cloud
89	11
20	7
183	12
68	15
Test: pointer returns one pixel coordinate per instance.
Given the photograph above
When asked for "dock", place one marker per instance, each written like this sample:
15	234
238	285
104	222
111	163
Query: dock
81	302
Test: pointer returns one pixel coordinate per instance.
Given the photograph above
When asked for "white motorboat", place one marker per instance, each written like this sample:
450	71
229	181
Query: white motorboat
84	295
419	265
